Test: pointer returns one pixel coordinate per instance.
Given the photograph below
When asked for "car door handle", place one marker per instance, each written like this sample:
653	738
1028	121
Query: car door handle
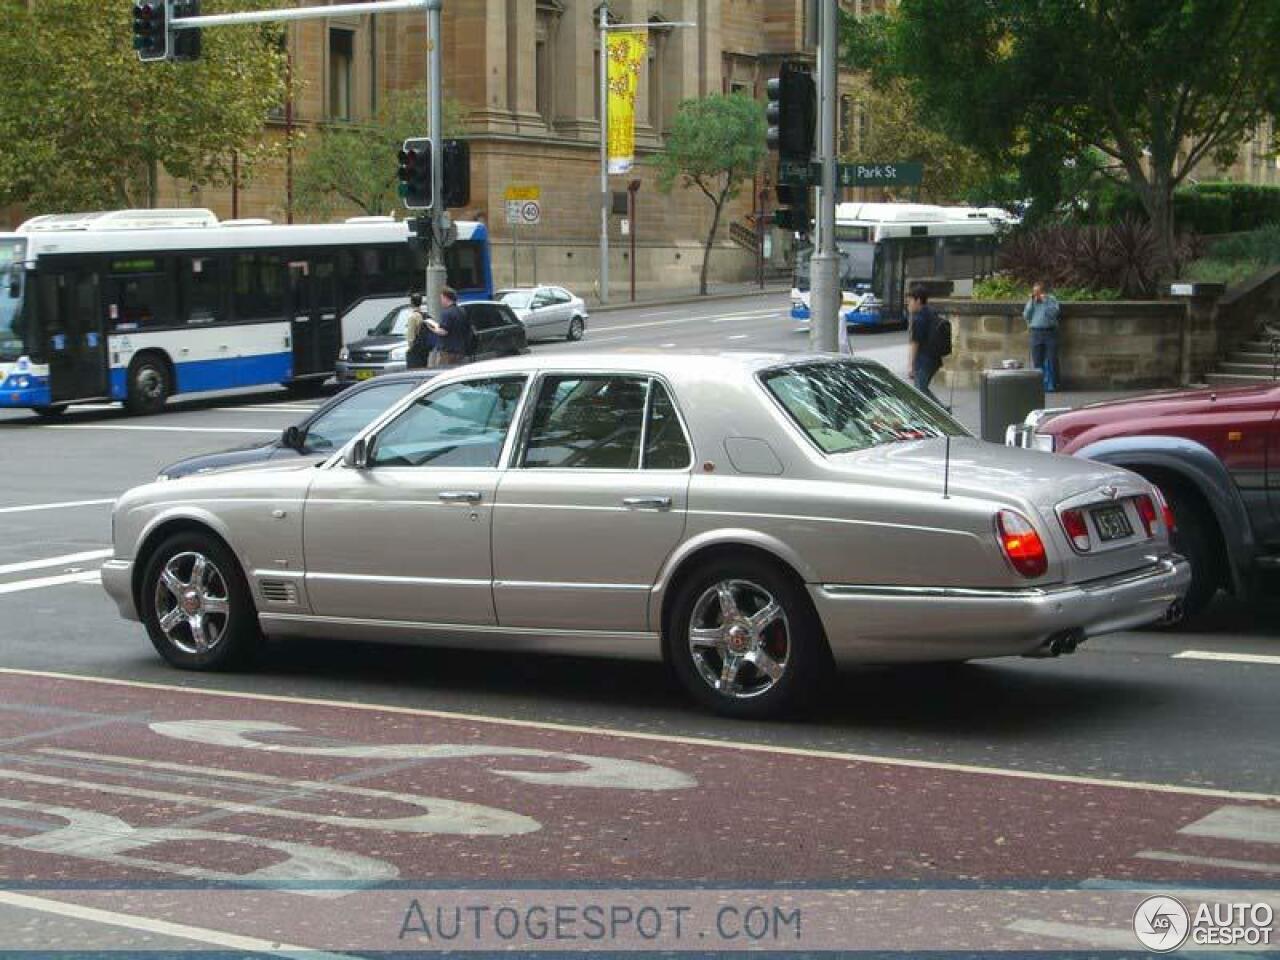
647	503
459	496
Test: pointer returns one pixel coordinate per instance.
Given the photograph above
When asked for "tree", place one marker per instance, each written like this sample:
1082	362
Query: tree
354	165
715	144
1155	86
85	125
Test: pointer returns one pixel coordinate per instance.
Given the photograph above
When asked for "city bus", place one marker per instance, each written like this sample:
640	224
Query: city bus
885	246
139	305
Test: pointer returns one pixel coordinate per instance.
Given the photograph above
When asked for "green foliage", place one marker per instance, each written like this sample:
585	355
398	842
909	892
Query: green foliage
1205	208
1239	257
350	165
715	144
1003	287
1153	86
86	126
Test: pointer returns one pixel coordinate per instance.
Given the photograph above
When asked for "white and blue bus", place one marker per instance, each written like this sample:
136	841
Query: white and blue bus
885	246
138	305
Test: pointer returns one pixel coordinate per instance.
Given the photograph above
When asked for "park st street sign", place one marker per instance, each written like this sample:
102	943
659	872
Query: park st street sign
906	174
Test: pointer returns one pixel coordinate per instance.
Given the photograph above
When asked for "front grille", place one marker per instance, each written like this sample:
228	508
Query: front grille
368	356
278	591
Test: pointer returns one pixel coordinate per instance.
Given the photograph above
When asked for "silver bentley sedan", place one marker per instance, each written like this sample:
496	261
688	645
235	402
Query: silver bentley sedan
754	519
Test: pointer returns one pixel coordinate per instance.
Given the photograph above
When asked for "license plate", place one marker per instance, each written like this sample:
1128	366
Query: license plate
364	374
1112	523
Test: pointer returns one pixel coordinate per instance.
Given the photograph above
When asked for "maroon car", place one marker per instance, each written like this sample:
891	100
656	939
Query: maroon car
1215	455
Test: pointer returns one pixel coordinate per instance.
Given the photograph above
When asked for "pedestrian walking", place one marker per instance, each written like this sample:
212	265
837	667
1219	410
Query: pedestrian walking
1041	314
928	331
452	330
418	335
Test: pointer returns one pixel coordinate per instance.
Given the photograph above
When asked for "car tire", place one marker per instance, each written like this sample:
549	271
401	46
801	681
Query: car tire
792	640
51	411
1194	539
148	385
192	575
577	327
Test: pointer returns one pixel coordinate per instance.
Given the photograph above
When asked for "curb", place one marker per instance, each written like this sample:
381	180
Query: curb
677	301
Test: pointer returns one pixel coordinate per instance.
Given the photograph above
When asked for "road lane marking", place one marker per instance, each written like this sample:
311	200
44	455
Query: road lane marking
267	408
1227	657
124	426
1238	823
1097	937
65	560
714	318
90	576
1166	856
669	738
740	336
165	928
66	504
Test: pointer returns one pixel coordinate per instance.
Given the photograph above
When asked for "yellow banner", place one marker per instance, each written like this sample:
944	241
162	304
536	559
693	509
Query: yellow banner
627	50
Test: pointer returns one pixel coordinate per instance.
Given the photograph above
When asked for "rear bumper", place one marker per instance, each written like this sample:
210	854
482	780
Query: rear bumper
117	580
880	624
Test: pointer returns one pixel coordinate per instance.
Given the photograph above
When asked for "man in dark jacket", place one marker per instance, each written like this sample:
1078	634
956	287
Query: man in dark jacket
452	330
923	321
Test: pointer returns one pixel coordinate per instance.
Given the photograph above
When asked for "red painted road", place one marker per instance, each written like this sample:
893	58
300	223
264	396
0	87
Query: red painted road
139	785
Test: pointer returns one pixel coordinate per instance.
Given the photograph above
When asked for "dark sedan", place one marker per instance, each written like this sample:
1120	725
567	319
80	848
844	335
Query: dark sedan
498	333
324	431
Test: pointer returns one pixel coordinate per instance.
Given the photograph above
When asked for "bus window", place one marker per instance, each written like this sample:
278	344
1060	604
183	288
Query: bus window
958	257
257	286
389	270
202	288
464	265
140	292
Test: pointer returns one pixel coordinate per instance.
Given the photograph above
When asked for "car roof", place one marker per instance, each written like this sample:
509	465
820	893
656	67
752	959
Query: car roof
692	364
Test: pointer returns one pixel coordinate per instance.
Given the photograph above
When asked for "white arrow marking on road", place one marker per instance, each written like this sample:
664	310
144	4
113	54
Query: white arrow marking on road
83	576
66	504
1250	824
122	426
1219	862
1227	657
66	559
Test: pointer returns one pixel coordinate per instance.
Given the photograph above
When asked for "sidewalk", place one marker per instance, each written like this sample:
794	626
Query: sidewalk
965	406
672	297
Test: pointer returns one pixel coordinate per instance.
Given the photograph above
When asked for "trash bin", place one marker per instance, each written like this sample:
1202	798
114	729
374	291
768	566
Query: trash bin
1005	397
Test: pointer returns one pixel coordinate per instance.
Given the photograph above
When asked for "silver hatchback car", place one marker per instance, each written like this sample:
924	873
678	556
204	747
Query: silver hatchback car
751	518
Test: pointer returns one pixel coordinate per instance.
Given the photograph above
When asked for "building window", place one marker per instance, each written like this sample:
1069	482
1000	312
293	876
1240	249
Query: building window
658	33
544	58
341	55
846	124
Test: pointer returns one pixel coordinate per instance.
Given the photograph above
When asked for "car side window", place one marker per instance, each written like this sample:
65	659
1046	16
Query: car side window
665	446
587	423
340	423
483	317
561	295
460	425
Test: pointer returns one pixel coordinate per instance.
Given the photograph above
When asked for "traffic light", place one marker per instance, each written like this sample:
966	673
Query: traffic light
457	173
186	43
792	112
415	174
793	208
151	29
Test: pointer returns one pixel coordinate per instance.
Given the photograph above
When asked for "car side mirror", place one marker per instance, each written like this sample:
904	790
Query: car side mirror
356	456
369	332
294	438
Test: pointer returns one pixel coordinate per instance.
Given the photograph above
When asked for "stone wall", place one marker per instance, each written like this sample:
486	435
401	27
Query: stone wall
1101	346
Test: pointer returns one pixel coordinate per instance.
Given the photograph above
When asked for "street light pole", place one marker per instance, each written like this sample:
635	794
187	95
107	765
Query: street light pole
436	274
825	264
604	153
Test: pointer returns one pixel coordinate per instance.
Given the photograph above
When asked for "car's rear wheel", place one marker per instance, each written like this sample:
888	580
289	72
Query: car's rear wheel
51	411
305	388
197	606
744	640
576	328
1194	538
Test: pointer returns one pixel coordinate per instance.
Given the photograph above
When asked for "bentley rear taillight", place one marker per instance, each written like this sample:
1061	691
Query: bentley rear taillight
1147	513
1021	544
1077	528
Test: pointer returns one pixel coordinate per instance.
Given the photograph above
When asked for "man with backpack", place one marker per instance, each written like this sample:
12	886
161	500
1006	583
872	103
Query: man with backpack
930	339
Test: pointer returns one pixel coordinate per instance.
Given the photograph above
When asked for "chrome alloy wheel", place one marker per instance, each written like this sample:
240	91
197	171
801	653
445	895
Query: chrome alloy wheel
192	603
739	639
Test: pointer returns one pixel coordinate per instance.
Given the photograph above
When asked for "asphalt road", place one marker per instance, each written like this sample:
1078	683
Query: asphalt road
1096	767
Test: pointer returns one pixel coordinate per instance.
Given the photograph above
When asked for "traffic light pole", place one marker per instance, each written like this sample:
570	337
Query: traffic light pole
824	266
436	274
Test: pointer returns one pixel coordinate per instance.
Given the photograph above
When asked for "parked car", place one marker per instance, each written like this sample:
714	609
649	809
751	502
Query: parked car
750	517
317	435
499	333
547	312
1215	455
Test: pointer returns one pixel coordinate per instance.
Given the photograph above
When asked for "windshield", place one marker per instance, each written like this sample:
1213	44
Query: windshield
341	422
848	406
12	343
393	324
517	299
800	274
857	261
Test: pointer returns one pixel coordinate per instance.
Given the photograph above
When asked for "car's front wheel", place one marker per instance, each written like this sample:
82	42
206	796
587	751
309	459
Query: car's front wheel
196	604
744	639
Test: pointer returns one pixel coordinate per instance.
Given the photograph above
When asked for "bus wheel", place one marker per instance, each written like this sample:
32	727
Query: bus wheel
305	388
56	410
148	385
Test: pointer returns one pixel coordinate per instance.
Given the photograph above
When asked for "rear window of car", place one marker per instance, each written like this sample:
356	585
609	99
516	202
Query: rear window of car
845	406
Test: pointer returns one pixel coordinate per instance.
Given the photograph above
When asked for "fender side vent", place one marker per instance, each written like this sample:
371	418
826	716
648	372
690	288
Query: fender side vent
278	591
